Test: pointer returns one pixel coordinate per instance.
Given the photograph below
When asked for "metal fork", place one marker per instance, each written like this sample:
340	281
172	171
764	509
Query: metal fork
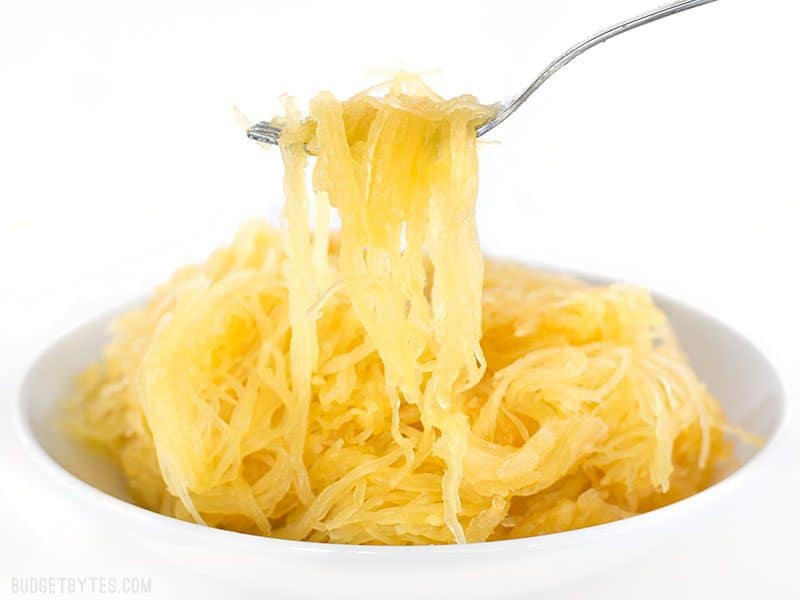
267	133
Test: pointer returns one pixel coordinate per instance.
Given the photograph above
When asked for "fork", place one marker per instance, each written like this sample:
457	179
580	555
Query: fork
268	133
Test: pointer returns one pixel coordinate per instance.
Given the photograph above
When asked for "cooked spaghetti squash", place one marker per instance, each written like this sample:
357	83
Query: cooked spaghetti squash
387	384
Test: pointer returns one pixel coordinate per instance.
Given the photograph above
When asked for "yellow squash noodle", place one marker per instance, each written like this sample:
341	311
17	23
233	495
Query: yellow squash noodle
387	384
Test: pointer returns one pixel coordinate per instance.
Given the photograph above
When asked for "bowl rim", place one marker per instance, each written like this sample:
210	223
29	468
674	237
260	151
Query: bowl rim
137	515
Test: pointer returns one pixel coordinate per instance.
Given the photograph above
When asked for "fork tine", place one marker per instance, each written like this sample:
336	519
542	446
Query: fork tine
270	132
265	125
263	139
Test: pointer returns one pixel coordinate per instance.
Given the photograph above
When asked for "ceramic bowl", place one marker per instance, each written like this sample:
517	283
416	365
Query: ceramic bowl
734	370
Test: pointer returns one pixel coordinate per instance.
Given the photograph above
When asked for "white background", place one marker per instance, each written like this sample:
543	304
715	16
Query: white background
667	157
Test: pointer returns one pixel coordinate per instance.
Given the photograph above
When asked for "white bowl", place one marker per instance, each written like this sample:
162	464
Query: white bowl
734	370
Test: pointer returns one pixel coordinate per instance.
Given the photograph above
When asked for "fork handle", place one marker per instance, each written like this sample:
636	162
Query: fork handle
506	108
